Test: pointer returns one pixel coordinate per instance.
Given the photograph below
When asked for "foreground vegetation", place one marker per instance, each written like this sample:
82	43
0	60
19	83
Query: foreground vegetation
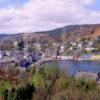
50	83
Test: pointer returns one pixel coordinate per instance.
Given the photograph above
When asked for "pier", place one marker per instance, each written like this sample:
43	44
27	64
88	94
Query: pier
40	62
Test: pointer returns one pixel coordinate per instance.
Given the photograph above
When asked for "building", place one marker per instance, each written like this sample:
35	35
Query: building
37	46
62	49
85	57
1	55
89	49
73	43
47	53
15	45
63	35
79	45
95	57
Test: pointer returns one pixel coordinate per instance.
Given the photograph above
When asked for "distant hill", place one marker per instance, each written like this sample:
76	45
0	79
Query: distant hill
76	31
7	37
3	35
73	32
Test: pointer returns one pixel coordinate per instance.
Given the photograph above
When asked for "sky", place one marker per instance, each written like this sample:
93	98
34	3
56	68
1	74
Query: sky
18	16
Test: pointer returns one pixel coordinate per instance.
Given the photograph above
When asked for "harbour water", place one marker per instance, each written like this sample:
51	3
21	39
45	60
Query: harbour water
72	67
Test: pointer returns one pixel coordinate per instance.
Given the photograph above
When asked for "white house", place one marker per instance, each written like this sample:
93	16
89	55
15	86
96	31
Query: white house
70	48
37	46
0	55
89	48
79	45
15	44
73	44
91	42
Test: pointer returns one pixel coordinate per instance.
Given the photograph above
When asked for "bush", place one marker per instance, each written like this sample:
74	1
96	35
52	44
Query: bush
81	84
60	96
38	80
40	86
21	93
10	95
61	83
4	85
51	71
92	85
86	85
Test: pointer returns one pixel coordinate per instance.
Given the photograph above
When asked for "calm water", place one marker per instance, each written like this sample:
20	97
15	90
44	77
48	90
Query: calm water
72	67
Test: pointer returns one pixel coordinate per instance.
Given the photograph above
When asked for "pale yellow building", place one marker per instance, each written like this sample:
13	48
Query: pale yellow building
95	57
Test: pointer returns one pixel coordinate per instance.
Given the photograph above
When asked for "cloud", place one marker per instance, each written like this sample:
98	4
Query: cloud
87	2
39	15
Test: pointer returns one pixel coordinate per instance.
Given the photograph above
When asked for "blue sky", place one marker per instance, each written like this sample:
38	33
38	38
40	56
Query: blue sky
95	5
6	3
40	15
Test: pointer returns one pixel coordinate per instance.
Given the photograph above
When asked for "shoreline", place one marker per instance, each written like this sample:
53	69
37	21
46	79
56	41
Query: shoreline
72	60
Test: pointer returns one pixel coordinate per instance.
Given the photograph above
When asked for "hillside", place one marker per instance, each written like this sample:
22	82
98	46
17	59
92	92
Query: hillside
72	33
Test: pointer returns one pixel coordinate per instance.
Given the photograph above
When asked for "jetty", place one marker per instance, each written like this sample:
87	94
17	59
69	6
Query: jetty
42	61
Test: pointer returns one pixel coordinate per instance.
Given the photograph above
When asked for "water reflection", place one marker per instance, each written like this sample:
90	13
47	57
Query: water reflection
72	67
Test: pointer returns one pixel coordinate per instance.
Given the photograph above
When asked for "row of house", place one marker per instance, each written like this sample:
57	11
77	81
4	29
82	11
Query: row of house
23	59
89	57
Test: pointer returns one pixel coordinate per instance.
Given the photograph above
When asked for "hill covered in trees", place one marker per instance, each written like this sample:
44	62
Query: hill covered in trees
73	32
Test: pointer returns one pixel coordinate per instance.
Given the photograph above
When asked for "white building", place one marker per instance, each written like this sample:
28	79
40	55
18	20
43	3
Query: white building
62	48
37	46
73	44
89	48
79	45
91	43
70	48
0	54
15	44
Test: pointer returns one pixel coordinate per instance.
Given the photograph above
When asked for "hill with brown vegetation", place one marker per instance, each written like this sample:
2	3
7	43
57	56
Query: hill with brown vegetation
75	32
72	33
96	32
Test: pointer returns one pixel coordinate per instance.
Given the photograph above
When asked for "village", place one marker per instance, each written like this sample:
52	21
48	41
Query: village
24	54
49	49
82	50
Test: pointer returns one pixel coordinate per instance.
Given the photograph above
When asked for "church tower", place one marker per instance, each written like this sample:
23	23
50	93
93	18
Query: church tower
63	35
21	43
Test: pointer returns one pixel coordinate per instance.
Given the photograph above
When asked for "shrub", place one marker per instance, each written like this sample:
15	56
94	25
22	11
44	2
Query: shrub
81	84
40	86
49	86
92	85
61	83
86	85
60	96
21	93
10	95
2	89
38	80
4	85
51	71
